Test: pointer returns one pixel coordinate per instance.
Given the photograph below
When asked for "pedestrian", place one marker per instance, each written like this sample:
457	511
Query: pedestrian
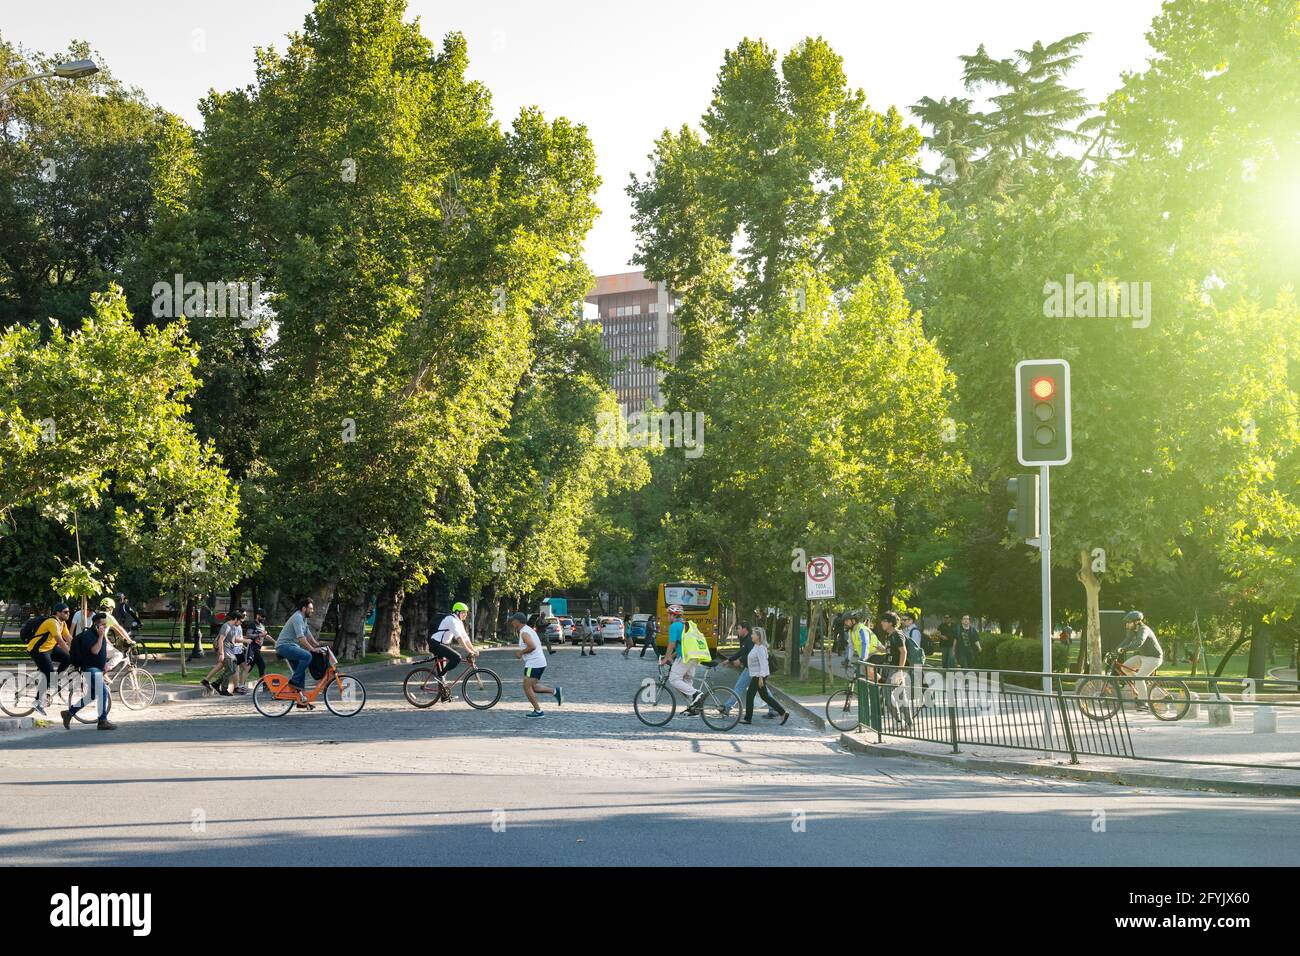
90	654
534	660
651	636
894	673
948	642
50	643
587	636
968	642
916	647
741	660
255	634
757	665
229	643
295	645
1067	635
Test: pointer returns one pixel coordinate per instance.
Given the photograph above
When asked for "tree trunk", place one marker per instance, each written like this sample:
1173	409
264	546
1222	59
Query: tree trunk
387	635
792	639
415	621
1092	587
814	631
322	596
1257	663
349	643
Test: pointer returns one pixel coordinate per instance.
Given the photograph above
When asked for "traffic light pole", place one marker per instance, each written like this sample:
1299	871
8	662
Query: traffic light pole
1045	538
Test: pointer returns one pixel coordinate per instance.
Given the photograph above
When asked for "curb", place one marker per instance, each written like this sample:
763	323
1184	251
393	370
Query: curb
9	724
1123	778
798	708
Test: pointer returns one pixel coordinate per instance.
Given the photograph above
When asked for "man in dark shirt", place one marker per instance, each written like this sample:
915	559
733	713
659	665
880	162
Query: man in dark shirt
896	656
948	638
90	653
968	642
741	659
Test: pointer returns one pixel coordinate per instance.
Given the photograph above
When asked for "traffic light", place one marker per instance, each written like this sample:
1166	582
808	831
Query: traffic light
1043	412
1023	518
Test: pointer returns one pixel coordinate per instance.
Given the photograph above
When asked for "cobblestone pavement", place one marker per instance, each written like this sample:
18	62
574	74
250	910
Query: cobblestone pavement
211	781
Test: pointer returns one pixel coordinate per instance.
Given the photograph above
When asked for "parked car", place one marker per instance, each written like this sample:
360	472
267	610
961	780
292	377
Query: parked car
638	626
553	630
570	628
611	629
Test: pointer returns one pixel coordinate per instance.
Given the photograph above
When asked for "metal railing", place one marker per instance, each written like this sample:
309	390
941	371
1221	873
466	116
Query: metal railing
1038	711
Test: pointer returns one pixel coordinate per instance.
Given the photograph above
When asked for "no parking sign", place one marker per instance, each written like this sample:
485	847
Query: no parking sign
819	578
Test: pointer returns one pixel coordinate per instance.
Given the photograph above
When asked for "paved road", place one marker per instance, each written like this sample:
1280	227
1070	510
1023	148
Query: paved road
211	782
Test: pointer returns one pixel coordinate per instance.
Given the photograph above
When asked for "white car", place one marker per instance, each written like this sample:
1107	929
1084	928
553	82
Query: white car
611	629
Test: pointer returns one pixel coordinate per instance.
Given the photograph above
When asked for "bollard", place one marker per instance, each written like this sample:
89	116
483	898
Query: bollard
1219	714
1265	719
1194	708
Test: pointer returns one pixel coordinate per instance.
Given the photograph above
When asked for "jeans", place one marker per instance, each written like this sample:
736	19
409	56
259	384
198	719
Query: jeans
949	656
95	690
45	661
300	658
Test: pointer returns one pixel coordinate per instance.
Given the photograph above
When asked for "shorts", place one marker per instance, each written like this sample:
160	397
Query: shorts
534	672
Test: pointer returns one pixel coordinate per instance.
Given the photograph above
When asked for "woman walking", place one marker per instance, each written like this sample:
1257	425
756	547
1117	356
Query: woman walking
758	674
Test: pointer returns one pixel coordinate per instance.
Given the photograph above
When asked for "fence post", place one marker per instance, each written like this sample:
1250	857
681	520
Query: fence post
1065	723
950	692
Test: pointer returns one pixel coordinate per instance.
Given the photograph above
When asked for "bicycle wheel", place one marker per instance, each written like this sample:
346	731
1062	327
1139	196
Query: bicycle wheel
422	688
480	688
720	708
137	688
345	696
1170	699
842	709
18	692
654	703
267	704
1098	697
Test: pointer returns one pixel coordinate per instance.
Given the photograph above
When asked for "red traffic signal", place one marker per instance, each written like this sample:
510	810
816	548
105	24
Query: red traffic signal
1043	388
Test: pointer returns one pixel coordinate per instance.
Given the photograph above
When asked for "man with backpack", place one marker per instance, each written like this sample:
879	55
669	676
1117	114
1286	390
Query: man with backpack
48	640
918	645
90	654
687	647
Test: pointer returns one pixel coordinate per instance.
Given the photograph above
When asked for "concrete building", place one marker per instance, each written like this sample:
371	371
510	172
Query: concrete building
636	320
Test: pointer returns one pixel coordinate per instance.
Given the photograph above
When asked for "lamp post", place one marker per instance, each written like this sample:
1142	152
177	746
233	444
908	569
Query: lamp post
72	70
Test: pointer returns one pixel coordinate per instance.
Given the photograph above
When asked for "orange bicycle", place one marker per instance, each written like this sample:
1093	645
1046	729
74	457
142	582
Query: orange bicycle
344	696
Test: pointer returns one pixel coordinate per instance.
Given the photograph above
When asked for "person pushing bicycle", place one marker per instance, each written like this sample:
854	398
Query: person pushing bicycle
1146	657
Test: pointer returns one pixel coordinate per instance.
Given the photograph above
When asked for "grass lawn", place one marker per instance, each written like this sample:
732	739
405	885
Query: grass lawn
811	687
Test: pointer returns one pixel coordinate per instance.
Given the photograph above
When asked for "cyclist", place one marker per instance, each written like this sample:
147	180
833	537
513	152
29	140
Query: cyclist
686	649
861	644
534	660
51	643
451	629
1147	654
295	645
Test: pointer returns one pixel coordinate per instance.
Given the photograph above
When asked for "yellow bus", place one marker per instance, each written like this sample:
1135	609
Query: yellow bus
699	603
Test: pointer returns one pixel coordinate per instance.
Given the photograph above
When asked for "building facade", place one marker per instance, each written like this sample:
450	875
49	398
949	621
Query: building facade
636	320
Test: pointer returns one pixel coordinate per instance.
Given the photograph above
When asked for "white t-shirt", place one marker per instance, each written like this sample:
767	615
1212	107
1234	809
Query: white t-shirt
536	658
451	627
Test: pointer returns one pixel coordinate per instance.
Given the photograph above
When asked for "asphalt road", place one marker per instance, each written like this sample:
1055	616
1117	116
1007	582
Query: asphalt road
211	782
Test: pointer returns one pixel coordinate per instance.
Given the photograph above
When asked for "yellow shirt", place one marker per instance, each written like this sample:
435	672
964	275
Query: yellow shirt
47	635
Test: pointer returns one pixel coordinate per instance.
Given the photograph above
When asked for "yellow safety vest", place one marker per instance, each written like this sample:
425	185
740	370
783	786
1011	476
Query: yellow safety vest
694	646
864	641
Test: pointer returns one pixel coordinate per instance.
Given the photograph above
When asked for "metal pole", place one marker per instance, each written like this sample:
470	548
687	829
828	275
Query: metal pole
1045	537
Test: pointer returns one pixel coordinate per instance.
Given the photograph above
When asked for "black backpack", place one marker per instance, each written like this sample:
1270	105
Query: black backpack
319	664
30	627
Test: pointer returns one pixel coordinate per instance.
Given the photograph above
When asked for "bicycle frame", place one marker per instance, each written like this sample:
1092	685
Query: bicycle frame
279	683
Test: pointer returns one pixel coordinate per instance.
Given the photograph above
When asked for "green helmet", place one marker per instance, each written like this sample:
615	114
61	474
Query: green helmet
1132	616
459	606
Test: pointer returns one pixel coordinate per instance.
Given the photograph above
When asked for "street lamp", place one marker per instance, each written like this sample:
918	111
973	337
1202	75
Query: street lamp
72	70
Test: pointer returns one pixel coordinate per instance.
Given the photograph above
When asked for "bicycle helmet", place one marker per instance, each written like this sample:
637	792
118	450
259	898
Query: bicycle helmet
459	606
1133	616
676	610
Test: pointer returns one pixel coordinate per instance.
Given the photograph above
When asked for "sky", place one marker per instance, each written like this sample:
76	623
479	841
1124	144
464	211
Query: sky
627	71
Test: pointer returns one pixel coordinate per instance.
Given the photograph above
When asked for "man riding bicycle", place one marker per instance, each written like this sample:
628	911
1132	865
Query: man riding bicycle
1146	653
687	647
451	629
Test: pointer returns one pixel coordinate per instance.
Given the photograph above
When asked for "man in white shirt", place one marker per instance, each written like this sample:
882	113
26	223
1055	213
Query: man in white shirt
452	629
534	660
